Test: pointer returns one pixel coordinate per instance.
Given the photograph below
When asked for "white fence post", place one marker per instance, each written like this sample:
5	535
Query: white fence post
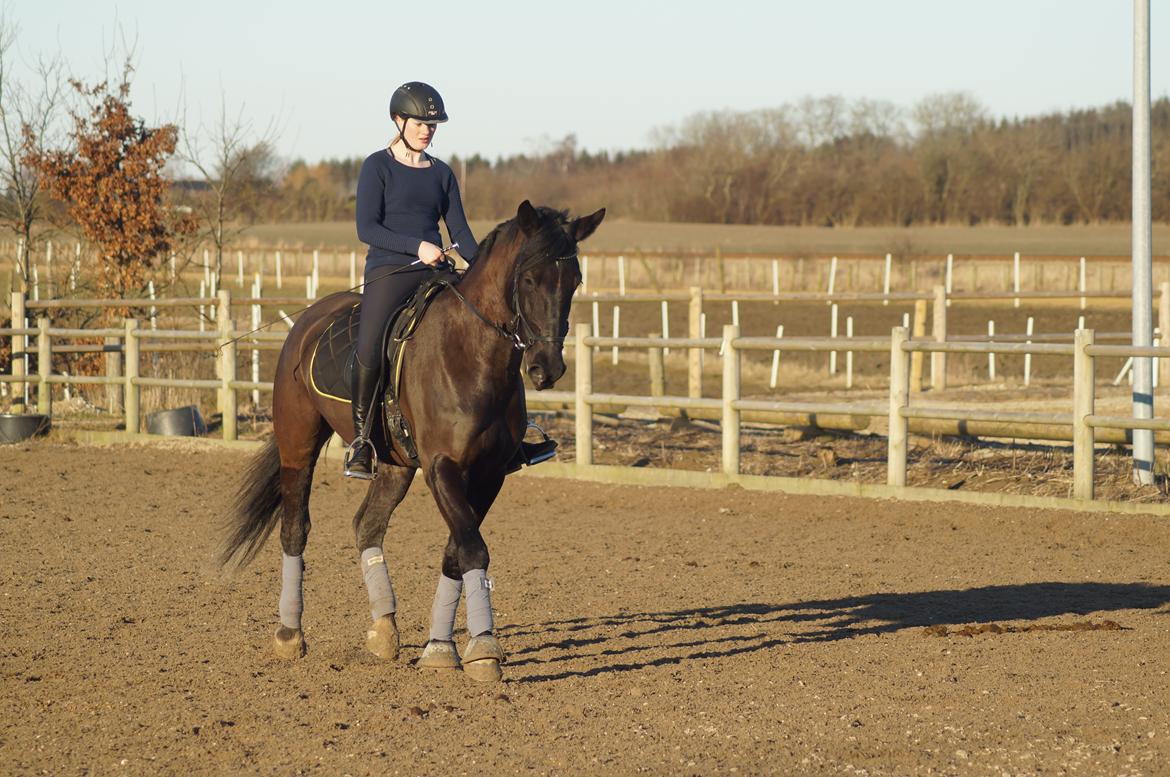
584	387
1016	279
1028	356
849	353
731	387
899	398
1082	282
886	281
617	329
1084	401
776	358
950	277
991	356
833	335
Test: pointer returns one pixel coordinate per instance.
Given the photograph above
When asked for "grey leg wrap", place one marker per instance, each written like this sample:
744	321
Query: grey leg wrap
377	577
292	603
444	608
477	589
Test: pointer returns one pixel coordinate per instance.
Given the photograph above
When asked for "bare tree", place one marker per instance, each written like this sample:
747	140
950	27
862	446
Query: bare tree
233	161
27	118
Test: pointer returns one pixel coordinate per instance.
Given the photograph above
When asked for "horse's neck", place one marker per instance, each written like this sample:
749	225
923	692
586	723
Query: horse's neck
486	285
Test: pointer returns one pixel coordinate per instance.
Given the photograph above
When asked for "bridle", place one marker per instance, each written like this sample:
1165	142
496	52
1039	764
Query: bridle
519	330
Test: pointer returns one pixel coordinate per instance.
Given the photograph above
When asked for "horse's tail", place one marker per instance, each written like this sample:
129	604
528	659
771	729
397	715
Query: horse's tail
256	509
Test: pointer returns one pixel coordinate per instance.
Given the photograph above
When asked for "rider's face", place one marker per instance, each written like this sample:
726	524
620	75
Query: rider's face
417	133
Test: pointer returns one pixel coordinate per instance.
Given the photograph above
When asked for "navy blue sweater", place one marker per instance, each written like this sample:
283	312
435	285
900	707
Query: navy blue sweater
399	206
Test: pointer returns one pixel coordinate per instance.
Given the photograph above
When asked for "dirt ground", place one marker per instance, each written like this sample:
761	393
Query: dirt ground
649	630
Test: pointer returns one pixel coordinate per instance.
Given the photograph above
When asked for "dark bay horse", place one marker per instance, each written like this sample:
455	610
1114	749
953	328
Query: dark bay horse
463	395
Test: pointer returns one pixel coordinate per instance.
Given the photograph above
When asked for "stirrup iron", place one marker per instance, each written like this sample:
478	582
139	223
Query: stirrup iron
358	443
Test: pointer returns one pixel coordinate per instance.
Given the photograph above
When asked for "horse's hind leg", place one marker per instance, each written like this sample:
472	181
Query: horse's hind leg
369	528
298	458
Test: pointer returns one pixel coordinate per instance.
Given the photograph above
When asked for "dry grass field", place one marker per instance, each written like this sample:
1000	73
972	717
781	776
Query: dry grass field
623	235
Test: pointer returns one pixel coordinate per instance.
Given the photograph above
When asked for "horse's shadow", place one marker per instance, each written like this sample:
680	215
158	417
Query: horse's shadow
719	631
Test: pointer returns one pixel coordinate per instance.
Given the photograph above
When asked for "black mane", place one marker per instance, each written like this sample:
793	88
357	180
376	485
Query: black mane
506	230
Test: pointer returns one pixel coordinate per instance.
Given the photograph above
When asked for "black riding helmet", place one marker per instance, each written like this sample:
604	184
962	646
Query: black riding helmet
416	100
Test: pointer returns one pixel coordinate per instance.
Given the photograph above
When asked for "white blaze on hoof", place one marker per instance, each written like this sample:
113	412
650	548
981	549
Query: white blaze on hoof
482	659
289	643
382	638
439	655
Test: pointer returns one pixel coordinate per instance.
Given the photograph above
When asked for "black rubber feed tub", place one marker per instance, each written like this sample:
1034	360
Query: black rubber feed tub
17	428
180	422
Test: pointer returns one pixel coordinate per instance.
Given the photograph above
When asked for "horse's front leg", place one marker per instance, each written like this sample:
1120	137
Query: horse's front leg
463	506
369	528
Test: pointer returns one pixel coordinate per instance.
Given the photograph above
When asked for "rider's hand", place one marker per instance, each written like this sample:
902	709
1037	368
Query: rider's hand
429	253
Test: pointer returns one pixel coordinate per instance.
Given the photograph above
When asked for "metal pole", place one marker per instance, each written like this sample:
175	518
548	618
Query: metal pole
1143	392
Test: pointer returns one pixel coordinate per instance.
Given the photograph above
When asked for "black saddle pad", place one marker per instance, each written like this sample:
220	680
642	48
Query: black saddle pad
332	362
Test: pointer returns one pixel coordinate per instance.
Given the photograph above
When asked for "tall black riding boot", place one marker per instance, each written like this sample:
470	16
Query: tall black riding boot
359	457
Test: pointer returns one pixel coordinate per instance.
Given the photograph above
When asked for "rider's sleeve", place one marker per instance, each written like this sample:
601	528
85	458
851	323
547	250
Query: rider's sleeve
456	220
371	198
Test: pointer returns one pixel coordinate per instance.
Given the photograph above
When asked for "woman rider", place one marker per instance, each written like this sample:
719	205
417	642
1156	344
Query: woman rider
402	192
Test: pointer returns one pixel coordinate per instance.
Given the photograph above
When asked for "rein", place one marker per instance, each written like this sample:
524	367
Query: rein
532	334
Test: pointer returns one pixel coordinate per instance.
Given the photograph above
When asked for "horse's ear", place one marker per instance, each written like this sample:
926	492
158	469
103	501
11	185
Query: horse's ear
583	227
528	218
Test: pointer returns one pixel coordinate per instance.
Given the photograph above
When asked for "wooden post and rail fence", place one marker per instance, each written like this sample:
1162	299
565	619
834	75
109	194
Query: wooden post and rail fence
130	341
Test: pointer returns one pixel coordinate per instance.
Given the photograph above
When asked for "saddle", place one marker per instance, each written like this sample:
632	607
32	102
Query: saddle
331	364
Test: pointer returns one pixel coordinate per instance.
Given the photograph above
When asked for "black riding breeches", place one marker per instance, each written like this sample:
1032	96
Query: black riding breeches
387	288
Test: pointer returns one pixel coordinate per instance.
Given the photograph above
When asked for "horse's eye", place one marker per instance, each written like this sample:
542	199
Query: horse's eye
528	281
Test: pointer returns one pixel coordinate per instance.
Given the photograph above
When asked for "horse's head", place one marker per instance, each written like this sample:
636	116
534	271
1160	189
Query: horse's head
546	274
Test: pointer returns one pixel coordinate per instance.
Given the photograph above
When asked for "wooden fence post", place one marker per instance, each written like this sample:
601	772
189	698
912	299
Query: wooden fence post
730	425
114	370
899	398
938	361
1084	400
227	365
695	355
44	367
584	387
19	345
131	391
657	371
919	330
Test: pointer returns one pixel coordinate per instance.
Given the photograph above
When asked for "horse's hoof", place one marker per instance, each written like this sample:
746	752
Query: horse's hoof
289	643
485	670
439	655
382	638
482	659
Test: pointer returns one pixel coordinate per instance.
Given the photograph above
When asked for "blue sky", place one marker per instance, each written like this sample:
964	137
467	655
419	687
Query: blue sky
519	75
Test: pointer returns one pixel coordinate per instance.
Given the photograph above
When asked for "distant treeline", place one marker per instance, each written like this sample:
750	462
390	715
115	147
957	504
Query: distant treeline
822	161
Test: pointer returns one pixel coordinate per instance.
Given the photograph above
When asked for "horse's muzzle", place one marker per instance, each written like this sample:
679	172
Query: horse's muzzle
542	378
